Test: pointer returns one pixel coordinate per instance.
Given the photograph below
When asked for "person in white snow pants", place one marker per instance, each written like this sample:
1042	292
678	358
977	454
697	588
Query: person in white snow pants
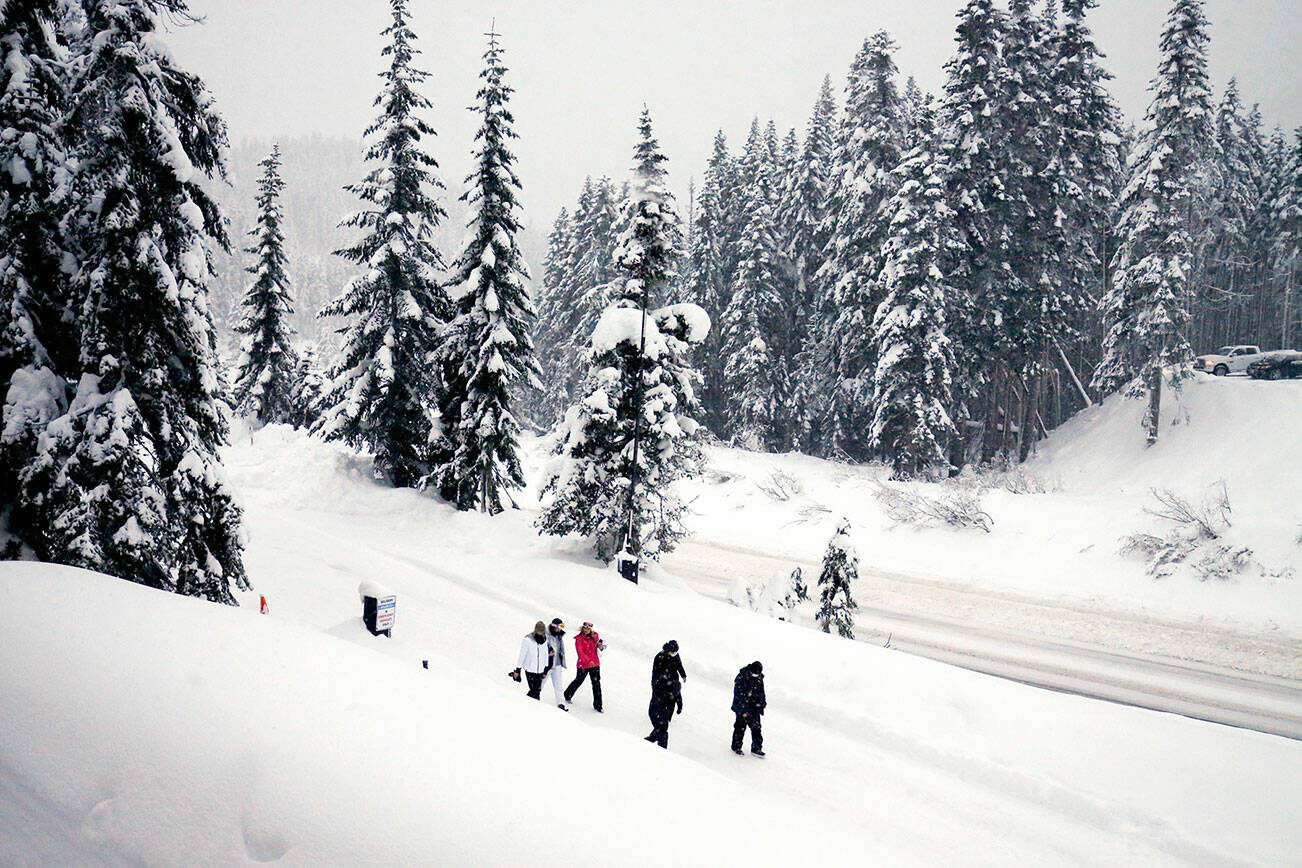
556	644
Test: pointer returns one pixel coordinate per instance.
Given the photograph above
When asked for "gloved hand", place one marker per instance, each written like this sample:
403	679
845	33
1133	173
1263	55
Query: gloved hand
678	700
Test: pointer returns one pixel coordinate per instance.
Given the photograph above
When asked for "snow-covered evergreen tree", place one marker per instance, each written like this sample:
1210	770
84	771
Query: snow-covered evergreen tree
1146	310
569	311
912	387
705	287
385	386
916	115
836	606
972	135
38	349
620	449
488	351
1089	124
310	386
128	481
1229	195
1285	234
543	403
712	262
868	150
754	327
803	219
265	382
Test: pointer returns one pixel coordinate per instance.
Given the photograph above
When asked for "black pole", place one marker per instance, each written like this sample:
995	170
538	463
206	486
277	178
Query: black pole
631	549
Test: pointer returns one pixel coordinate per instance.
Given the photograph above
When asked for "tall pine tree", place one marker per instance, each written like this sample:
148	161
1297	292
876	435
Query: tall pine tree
265	385
385	385
972	137
127	481
489	350
38	350
1146	312
633	434
912	385
868	150
754	328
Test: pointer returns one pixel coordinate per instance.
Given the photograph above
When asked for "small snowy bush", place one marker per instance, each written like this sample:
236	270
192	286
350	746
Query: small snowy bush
811	513
958	506
775	597
781	486
1195	538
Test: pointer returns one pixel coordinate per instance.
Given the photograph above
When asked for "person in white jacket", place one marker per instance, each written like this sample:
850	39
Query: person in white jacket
556	642
534	659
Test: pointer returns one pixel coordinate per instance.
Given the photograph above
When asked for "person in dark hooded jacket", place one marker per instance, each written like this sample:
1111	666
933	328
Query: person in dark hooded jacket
748	702
666	692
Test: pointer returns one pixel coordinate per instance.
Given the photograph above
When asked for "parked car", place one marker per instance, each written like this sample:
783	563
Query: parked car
1228	360
1279	365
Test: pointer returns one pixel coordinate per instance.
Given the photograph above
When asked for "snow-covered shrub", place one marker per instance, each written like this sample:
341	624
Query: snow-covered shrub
775	597
812	512
781	486
1018	480
953	506
1005	473
1207	519
1196	537
1222	561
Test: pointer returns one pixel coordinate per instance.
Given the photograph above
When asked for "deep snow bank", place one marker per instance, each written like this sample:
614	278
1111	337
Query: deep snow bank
142	727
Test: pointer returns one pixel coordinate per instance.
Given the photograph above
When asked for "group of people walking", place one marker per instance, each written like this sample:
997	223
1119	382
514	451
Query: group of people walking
542	654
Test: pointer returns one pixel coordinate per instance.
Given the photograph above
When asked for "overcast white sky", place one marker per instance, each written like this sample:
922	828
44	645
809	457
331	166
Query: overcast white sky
583	68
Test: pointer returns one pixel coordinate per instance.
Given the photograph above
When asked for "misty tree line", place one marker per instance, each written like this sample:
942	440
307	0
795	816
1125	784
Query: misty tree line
939	281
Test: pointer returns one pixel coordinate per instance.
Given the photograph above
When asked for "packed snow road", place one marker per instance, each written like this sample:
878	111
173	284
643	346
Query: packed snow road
1208	673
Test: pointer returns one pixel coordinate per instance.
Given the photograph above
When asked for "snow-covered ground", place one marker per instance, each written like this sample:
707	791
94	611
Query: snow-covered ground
141	727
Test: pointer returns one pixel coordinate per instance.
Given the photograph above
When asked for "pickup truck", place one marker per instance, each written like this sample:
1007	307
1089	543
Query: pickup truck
1228	360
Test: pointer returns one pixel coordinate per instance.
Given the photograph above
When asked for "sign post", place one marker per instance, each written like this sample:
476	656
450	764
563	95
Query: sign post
379	606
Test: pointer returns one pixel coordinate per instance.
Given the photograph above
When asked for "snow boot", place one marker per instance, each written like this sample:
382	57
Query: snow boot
738	751
755	752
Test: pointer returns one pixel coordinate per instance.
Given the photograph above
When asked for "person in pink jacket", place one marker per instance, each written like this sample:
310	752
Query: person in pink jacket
586	646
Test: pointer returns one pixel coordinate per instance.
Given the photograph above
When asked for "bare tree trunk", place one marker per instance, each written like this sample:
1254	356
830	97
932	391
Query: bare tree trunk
1030	412
1154	415
989	445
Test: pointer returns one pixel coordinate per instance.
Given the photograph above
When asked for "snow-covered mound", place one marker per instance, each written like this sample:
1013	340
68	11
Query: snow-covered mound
142	727
1243	432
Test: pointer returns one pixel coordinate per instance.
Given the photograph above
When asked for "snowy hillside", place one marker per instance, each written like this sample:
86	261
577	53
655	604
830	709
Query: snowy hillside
1060	538
312	742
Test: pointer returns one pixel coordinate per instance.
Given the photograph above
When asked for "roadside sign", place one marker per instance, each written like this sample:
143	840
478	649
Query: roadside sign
385	608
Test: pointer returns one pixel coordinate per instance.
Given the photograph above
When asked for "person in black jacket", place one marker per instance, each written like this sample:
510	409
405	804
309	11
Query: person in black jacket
748	702
666	692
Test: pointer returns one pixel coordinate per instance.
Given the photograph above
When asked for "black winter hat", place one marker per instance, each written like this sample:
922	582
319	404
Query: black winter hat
671	645
757	667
